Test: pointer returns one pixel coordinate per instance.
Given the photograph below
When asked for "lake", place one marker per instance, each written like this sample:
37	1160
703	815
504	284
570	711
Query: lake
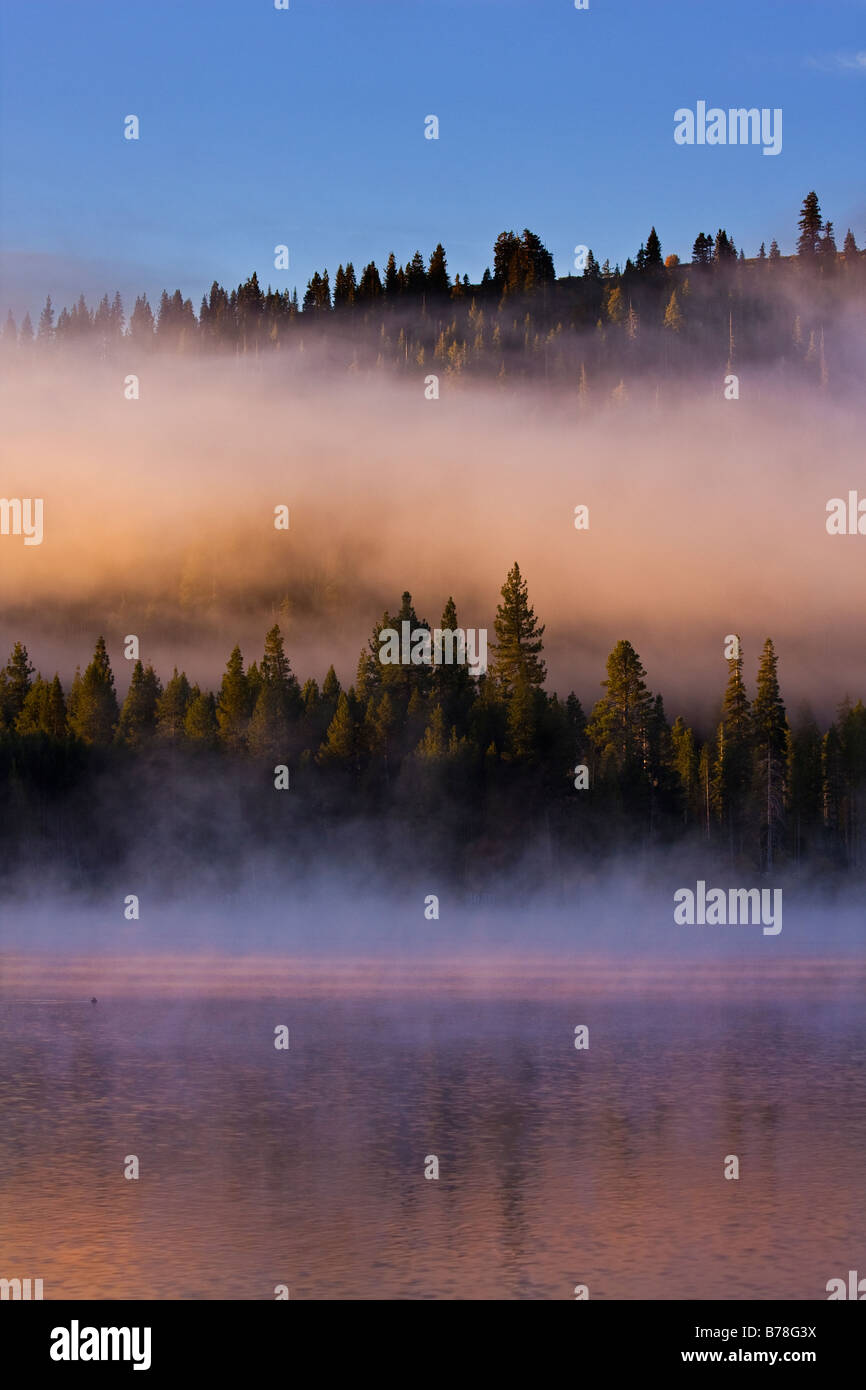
305	1167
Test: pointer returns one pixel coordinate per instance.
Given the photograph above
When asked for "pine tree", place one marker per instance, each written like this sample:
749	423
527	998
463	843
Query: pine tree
416	276
575	723
137	722
524	710
30	720
706	764
44	710
433	745
618	727
400	679
827	251
54	718
392	279
117	317
615	307
506	255
438	284
172	706
653	251
516	653
673	317
686	763
537	261
340	748
732	765
702	251
380	725
200	721
810	224
233	705
141	324
15	684
45	331
9	334
331	687
370	287
770	733
666	795
345	288
93	710
254	685
277	702
452	682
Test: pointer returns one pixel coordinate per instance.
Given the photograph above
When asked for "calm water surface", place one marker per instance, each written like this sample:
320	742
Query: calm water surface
557	1167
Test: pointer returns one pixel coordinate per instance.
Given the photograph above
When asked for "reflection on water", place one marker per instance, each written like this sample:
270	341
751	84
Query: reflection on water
557	1167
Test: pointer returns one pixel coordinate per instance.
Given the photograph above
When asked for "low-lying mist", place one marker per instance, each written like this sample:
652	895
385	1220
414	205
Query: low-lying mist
329	909
706	517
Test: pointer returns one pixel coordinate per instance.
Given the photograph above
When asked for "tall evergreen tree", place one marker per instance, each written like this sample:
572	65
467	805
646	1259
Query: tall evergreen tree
233	704
686	763
44	710
827	251
653	251
770	731
619	725
733	760
392	279
370	287
137	722
810	224
45	331
171	708
438	284
277	702
452	682
516	654
141	323
200	721
340	748
401	679
93	710
15	683
416	276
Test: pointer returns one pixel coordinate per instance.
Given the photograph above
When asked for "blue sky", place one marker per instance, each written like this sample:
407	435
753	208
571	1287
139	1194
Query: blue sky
306	127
